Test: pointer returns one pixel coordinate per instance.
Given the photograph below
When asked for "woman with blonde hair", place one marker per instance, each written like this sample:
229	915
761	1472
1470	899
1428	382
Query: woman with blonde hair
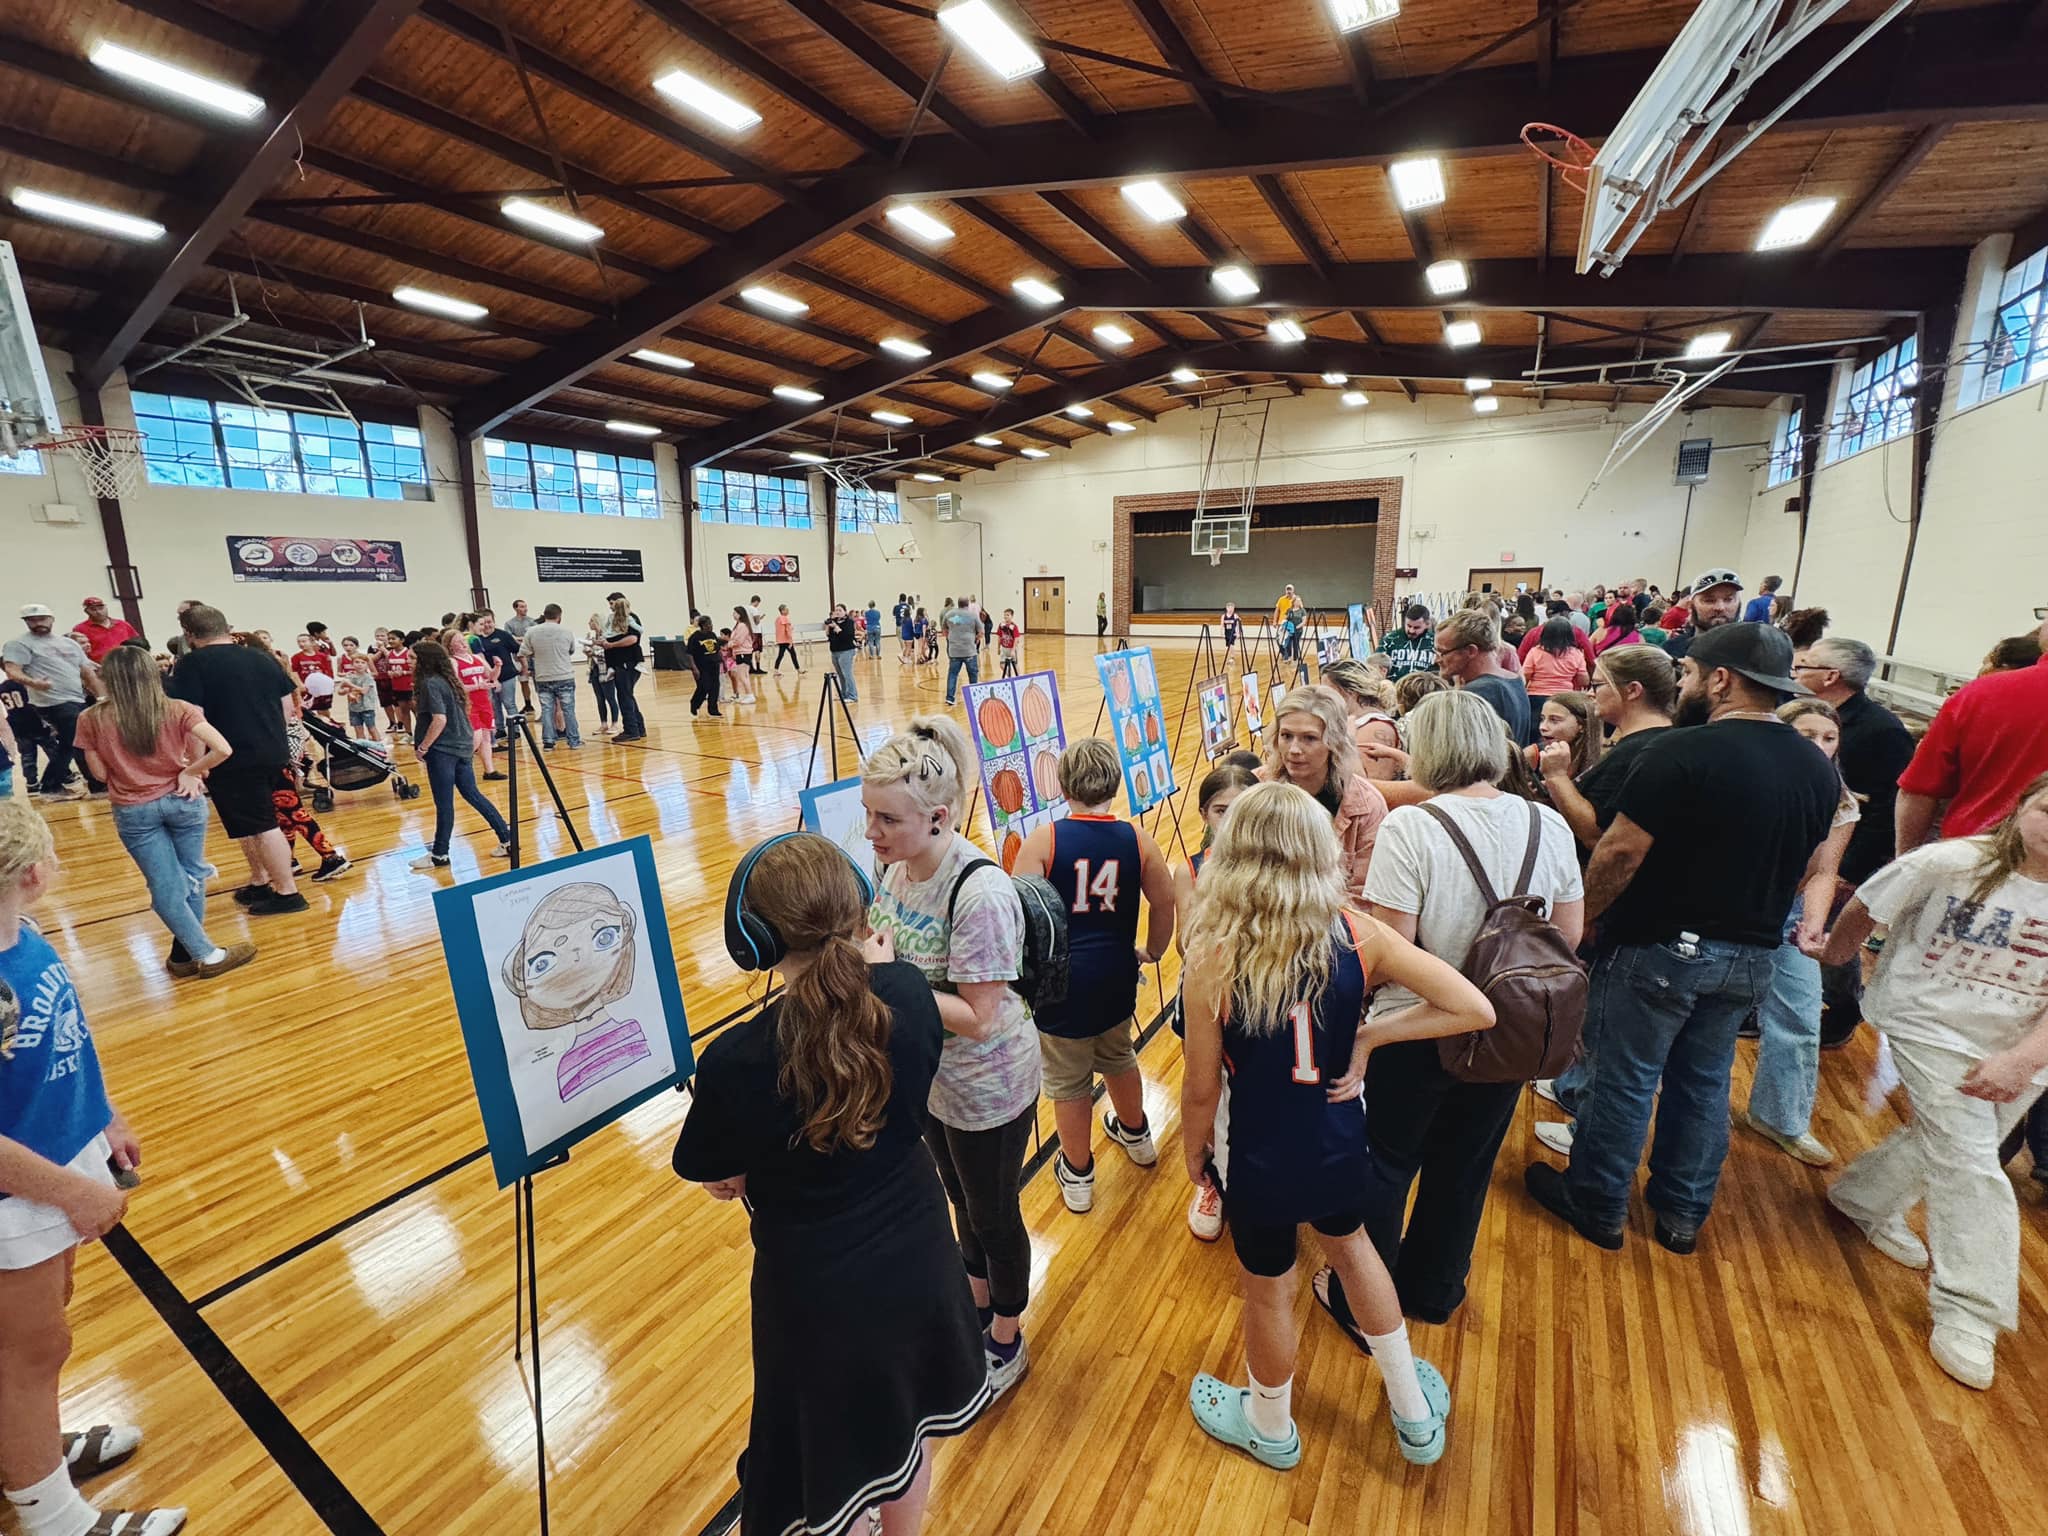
814	1112
623	652
1635	690
1313	749
1277	975
949	910
1369	701
153	754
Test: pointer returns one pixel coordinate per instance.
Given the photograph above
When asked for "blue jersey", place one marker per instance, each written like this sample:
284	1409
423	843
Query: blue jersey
1290	1155
51	1098
1095	868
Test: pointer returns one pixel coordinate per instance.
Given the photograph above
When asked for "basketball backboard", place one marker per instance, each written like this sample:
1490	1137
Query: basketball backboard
28	410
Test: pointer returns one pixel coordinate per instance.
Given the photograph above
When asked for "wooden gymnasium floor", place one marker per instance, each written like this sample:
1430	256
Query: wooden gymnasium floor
310	1310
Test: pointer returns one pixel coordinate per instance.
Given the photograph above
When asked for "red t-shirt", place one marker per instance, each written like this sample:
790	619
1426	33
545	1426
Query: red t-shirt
304	666
1006	636
99	639
1529	642
398	668
1987	744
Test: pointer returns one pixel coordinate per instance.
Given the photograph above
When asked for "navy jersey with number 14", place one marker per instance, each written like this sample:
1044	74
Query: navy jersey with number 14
1094	867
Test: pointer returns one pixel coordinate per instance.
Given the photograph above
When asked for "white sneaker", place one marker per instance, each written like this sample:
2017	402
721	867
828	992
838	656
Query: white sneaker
1546	1089
1972	1360
1556	1135
1138	1144
1205	1213
1890	1237
1077	1189
1005	1374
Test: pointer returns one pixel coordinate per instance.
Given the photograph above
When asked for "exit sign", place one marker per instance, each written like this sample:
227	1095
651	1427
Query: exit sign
1507	557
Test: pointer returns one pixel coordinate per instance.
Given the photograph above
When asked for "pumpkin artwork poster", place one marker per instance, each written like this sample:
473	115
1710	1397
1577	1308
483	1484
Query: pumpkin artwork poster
1137	725
1018	736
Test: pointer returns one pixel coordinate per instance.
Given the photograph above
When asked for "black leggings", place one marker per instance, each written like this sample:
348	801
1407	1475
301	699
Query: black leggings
707	687
982	1171
782	650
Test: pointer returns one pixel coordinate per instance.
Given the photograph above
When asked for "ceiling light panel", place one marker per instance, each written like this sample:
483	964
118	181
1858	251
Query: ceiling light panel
1234	282
1354	397
1446	277
1186	376
1350	15
1112	335
662	359
919	223
890	418
708	102
903	347
1286	330
551	221
1417	183
1795	223
929	479
1486	405
1152	199
439	303
69	210
216	96
797	393
979	28
803	457
1037	290
1122	426
1462	333
1477	384
1336	378
1036	453
1708	344
1080	412
988	442
768	298
632	429
993	381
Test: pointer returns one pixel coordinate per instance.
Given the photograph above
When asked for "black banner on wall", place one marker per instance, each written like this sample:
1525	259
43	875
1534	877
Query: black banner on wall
259	557
556	563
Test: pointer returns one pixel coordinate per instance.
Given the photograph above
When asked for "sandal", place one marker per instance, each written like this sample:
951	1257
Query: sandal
94	1451
1219	1409
1422	1440
1330	1297
137	1522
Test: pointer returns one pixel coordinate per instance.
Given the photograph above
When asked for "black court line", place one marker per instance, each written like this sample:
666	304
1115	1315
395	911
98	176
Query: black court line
339	1510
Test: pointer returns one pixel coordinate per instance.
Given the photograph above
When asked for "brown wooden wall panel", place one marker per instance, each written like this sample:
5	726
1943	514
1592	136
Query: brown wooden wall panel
1284	45
1982	178
1035	217
1113	27
1355	212
90	122
1231	206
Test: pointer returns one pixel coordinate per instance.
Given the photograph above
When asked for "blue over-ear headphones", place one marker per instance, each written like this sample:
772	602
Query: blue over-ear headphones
751	939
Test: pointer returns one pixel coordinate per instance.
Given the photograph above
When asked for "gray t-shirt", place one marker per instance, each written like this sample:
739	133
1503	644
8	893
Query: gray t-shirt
963	633
54	659
553	650
519	624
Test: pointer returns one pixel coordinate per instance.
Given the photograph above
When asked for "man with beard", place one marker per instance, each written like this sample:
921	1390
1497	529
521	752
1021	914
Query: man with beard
1412	648
1718	827
1716	600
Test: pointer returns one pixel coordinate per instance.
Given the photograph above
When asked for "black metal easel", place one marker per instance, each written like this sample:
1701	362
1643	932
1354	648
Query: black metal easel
824	725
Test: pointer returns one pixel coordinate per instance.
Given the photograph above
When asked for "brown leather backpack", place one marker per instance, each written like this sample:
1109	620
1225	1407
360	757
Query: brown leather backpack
1527	971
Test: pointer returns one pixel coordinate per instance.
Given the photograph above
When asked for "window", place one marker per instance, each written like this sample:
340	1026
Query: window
26	462
535	477
2019	330
1880	406
200	443
863	511
1786	448
763	501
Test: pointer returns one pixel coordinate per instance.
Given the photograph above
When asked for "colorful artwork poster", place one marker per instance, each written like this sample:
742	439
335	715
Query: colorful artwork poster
835	811
565	985
1217	735
1361	631
1137	725
1254	703
761	567
1018	736
260	557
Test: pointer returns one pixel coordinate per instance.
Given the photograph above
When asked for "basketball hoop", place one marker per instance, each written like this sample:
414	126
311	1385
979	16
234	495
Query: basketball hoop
110	457
1562	148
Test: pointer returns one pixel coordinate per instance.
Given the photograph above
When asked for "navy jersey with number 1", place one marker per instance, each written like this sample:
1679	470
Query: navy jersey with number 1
1094	867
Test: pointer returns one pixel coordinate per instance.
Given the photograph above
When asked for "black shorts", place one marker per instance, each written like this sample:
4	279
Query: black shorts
241	797
1268	1249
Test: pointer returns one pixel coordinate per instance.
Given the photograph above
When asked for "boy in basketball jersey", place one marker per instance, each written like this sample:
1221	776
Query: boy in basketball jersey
1099	864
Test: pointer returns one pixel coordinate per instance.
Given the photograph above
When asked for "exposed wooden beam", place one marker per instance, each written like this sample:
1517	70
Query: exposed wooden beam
1072	110
1067	208
1544	180
2031	236
925	262
1274	191
1028	243
204	21
1173	49
841	28
1357	64
1922	146
1546	44
339	41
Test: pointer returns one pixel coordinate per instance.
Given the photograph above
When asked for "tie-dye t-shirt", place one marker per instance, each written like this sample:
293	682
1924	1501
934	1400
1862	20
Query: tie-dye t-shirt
981	1083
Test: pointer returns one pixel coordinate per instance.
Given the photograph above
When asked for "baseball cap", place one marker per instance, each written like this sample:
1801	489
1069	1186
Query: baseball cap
1760	652
36	611
1715	579
92	601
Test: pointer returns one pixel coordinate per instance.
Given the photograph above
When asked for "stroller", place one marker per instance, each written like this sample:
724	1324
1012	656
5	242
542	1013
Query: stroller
352	764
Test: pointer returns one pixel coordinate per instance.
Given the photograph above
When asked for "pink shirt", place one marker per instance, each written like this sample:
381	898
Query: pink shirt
785	632
137	779
1544	673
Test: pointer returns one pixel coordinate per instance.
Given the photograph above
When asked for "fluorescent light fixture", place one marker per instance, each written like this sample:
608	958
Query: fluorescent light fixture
1037	453
920	224
1462	333
768	298
632	429
1486	405
903	347
1353	397
1080	412
1708	344
693	95
1036	290
1445	277
1350	15
994	381
890	418
662	359
438	303
1234	282
1185	376
1112	336
66	210
977	27
214	95
1476	384
1795	223
1336	378
929	479
988	442
1122	426
1153	200
797	393
1417	183
550	220
803	457
1286	330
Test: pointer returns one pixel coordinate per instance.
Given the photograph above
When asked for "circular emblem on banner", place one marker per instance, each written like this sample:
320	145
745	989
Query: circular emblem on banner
346	554
756	564
301	554
255	552
738	565
775	565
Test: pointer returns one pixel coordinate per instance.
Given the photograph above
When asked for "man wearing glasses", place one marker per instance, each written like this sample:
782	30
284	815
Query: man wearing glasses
1989	741
1468	654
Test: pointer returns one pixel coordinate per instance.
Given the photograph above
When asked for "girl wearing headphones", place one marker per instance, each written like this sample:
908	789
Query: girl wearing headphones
951	911
814	1112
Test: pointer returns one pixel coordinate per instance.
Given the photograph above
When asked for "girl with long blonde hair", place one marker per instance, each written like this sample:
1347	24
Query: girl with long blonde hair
1278	968
623	652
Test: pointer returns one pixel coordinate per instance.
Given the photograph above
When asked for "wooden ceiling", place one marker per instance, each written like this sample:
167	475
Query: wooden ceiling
394	129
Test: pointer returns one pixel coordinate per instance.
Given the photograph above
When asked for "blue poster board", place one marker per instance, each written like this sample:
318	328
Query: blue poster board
1361	632
565	983
1137	725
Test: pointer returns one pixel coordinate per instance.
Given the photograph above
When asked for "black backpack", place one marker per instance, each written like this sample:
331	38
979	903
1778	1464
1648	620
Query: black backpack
1042	969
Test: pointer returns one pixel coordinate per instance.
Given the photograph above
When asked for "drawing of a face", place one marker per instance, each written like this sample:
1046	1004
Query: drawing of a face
574	957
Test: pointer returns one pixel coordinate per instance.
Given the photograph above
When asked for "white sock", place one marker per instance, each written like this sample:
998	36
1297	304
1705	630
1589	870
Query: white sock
53	1506
1271	1409
215	958
1390	1352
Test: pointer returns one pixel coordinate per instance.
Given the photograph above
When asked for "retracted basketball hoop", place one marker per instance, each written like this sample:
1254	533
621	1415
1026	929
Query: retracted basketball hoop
1563	149
111	457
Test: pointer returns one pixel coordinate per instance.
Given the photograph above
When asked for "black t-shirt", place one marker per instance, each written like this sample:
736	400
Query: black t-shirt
1510	700
624	657
703	649
239	689
1601	783
839	634
1736	809
501	650
739	1122
1876	747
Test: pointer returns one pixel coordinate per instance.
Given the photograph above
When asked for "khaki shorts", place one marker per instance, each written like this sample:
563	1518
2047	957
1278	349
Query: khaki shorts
1071	1066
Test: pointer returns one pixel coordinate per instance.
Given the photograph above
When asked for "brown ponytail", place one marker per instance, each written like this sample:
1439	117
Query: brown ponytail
832	1032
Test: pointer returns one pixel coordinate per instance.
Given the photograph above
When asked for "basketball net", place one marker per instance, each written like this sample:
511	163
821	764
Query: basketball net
109	457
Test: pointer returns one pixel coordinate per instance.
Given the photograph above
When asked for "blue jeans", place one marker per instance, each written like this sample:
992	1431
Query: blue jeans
1788	1052
953	666
505	703
166	838
875	643
448	775
563	693
842	663
1657	1016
